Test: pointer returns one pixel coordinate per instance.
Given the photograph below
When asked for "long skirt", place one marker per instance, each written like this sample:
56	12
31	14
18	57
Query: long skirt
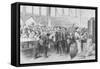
73	50
78	46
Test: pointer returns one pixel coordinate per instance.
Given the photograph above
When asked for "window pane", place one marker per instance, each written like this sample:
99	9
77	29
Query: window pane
28	9
59	11
35	10
52	11
66	11
72	12
78	12
21	9
43	11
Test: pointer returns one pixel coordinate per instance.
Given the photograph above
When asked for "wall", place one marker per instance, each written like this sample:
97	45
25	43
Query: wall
58	15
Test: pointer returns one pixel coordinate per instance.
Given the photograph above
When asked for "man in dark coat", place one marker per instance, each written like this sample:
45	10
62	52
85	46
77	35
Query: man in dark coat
45	44
59	41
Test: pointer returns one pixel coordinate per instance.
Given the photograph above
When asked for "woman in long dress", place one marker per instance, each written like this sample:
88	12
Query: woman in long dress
73	47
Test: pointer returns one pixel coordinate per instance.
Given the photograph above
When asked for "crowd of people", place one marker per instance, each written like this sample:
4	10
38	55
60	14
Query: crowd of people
61	40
